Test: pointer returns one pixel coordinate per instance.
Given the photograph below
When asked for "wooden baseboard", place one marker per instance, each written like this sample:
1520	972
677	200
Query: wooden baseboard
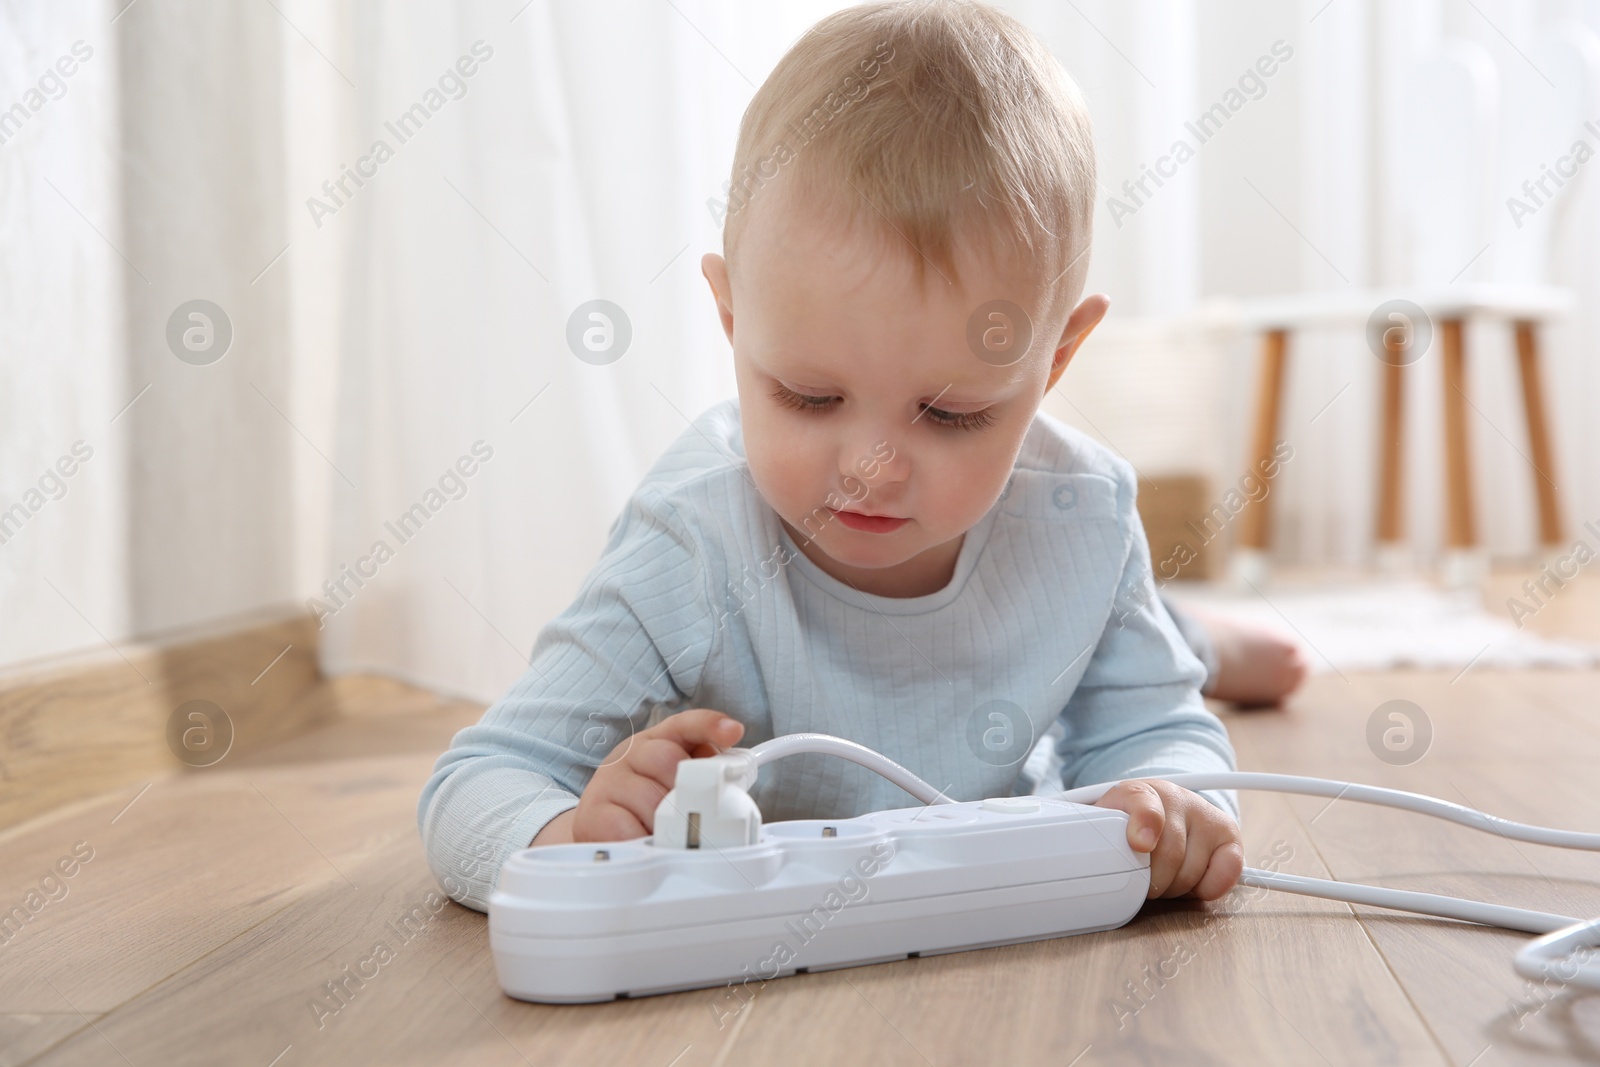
73	732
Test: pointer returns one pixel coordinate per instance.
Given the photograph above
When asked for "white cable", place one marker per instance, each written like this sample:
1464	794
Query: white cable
1562	955
1365	794
828	745
1529	922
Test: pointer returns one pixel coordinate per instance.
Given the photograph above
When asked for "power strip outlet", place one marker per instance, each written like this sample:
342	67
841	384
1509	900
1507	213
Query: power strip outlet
572	924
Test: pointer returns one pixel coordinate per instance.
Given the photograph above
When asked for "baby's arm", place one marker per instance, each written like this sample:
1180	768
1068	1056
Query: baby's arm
636	636
1137	713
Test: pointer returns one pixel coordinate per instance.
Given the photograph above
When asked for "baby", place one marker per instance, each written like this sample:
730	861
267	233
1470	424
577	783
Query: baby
881	537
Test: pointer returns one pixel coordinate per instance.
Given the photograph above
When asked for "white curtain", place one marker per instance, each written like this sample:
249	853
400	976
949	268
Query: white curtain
140	169
61	311
577	166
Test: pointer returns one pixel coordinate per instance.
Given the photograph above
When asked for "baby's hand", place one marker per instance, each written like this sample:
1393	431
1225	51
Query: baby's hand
1195	846
620	800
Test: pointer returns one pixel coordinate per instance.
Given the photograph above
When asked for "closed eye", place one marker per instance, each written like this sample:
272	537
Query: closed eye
960	420
800	401
968	420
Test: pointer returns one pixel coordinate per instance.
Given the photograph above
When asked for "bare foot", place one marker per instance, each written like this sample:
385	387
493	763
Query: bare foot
1256	666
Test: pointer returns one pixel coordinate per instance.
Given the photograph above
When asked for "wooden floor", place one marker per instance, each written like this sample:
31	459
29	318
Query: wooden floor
217	904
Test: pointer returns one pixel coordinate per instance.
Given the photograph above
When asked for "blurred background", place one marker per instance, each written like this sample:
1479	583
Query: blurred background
285	281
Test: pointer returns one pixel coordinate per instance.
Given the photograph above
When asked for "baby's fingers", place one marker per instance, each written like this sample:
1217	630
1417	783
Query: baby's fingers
1222	873
1152	827
639	795
1214	856
699	731
1147	815
608	821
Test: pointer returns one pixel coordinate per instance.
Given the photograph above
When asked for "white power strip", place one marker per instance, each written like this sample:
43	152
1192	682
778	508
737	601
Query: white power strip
592	922
712	898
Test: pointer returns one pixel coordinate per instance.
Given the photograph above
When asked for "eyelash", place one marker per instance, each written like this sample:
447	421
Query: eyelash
970	420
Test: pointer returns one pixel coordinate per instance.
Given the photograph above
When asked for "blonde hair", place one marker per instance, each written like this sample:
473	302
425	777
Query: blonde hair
944	120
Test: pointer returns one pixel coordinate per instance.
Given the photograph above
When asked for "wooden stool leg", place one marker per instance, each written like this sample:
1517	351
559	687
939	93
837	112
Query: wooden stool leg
1253	525
1538	434
1391	520
1460	531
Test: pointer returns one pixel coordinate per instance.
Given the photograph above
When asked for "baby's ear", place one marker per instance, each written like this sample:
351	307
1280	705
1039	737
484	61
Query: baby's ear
715	269
1084	318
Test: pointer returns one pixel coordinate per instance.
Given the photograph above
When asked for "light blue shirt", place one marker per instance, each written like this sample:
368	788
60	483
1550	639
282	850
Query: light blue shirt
1047	662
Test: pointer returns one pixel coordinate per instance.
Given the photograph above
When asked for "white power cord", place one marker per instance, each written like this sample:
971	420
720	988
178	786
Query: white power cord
1552	957
828	745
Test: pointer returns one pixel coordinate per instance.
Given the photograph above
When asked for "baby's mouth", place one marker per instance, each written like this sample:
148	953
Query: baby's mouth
868	523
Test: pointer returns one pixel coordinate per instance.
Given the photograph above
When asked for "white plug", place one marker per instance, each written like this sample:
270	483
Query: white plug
709	804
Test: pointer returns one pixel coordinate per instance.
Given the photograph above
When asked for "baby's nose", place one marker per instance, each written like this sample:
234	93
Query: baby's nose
876	463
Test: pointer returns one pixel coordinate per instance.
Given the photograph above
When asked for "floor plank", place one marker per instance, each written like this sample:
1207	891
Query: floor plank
24	1036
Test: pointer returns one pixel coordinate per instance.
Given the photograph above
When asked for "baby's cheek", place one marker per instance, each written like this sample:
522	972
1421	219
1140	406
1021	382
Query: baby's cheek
778	474
972	478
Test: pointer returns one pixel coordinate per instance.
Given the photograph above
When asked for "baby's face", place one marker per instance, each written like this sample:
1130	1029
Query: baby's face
860	394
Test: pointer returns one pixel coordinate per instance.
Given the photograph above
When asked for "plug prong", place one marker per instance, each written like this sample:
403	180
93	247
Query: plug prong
694	829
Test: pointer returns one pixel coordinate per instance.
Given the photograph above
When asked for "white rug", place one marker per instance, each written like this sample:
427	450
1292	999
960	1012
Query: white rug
1397	624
